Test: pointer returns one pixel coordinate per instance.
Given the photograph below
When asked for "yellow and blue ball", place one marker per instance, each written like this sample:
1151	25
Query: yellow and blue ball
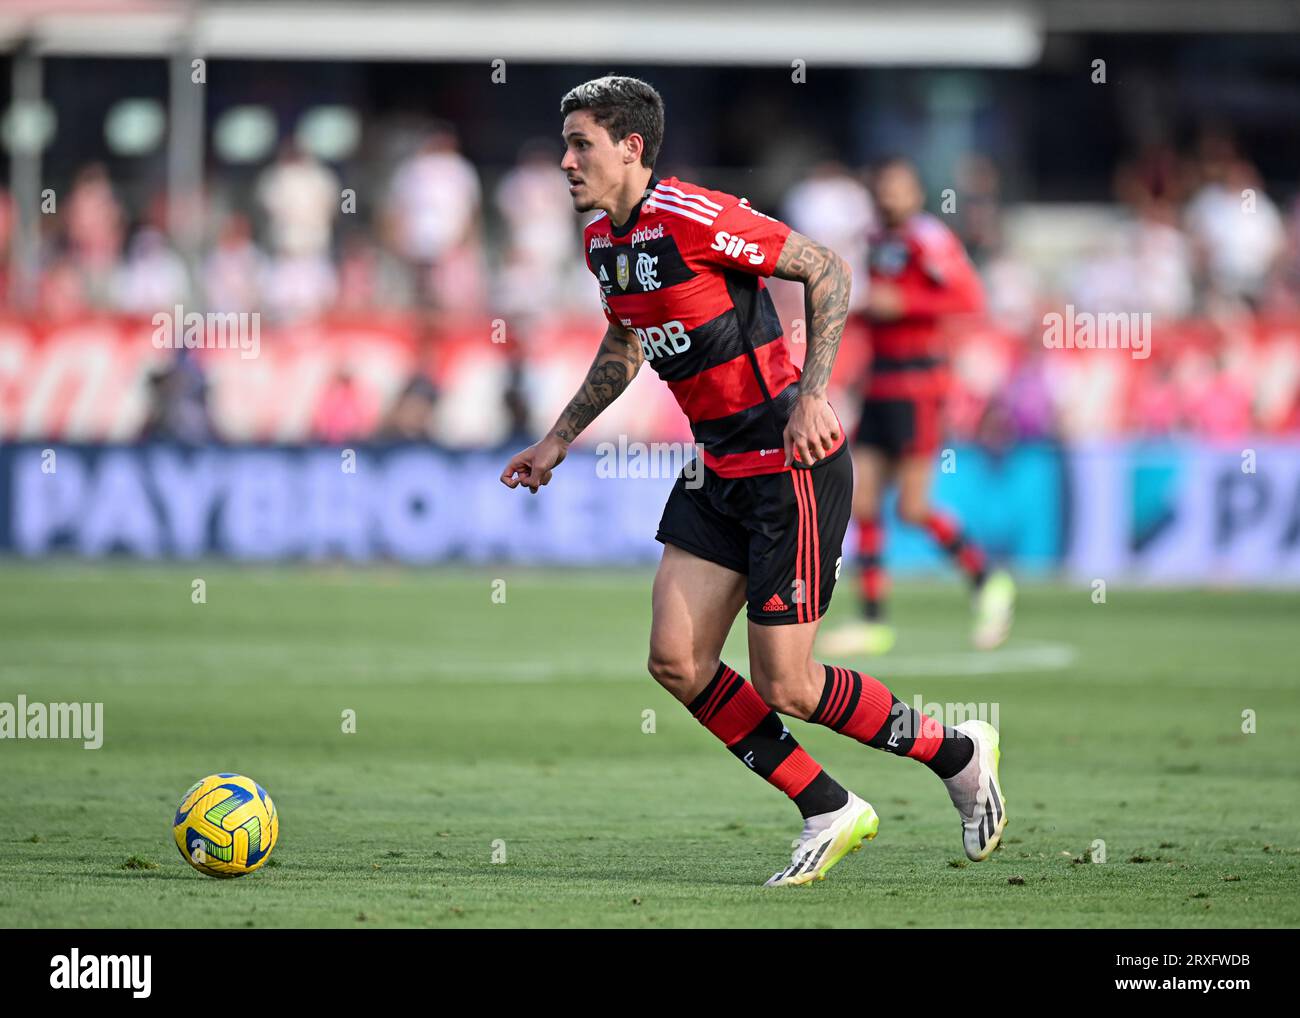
226	825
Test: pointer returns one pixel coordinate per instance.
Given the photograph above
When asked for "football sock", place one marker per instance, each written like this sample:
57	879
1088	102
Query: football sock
873	584
948	533
857	705
731	709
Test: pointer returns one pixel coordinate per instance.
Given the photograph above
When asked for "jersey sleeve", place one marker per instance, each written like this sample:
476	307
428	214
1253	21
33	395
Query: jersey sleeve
741	238
610	317
954	286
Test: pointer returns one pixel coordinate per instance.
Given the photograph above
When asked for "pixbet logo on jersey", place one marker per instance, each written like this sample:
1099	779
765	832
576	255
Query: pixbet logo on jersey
734	246
647	233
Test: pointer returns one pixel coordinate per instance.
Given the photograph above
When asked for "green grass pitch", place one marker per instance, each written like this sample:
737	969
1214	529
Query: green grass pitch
517	728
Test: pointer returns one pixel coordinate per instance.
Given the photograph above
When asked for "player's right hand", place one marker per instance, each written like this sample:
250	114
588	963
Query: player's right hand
532	468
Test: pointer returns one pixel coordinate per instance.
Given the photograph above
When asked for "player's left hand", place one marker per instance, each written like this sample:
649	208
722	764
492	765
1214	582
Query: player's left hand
811	432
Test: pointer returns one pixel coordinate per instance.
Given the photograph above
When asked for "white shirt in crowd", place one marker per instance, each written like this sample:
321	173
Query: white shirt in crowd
434	198
1240	241
301	198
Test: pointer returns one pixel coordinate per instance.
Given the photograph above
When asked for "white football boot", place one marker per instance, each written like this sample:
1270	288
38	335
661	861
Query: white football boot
995	608
977	794
827	838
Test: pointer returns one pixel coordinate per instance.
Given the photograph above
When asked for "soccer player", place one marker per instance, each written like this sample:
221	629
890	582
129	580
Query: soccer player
920	277
680	272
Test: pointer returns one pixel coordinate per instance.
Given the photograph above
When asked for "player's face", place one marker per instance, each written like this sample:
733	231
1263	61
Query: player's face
898	194
593	162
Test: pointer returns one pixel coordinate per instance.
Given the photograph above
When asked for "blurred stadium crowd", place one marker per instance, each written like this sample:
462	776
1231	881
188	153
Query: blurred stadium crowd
1192	237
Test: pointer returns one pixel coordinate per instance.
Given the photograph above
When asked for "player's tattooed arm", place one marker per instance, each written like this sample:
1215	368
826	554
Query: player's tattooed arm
617	361
826	279
813	429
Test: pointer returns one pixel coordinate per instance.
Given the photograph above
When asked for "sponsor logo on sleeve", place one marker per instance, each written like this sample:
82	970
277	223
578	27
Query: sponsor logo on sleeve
735	246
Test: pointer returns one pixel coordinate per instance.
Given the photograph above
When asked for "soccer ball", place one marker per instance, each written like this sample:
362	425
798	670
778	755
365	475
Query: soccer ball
226	825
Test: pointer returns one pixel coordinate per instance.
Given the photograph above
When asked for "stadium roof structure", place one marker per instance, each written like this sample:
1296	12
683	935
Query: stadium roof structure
1006	33
837	33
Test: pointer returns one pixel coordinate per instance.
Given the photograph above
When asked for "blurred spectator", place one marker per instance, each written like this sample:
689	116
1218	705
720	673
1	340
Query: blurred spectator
95	229
433	211
1158	173
833	207
153	277
978	220
301	197
299	287
234	271
62	292
345	411
1145	266
514	398
1012	289
1102	279
1283	294
1027	400
410	419
1236	229
178	405
370	279
1155	408
1215	403
542	239
1161	263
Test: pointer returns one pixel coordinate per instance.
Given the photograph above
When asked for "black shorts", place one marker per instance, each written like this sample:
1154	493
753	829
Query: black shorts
785	532
901	427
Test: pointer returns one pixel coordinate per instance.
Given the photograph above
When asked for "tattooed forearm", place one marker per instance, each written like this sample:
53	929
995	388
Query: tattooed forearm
616	364
826	280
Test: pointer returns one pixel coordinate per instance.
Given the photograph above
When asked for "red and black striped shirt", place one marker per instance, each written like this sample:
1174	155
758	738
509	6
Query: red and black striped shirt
684	274
940	290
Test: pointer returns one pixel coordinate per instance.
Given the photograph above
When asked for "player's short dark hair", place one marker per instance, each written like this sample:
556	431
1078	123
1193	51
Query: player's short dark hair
622	106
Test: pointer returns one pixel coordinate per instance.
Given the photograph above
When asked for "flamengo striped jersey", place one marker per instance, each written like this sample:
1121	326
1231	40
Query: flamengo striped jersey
684	273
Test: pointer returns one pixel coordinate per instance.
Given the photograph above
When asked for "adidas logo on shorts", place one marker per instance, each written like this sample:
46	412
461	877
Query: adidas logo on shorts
775	604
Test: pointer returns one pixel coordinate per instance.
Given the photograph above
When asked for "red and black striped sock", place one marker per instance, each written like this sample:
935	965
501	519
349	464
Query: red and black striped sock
861	707
872	582
732	710
948	533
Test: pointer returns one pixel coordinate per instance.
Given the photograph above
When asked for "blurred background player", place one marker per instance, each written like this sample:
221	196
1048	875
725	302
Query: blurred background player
920	283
